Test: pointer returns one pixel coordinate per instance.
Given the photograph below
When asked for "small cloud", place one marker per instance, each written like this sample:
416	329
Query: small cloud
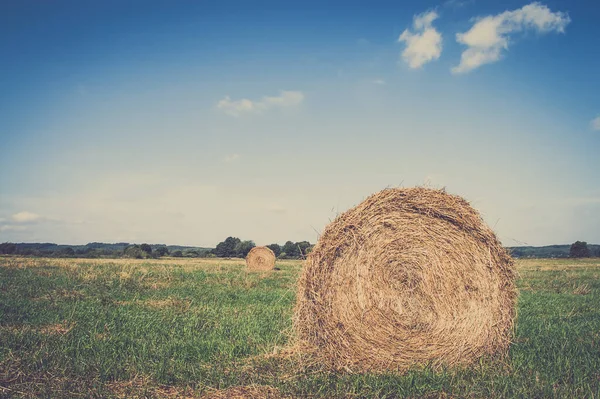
490	35
457	3
25	217
236	108
423	46
379	82
10	227
595	123
245	106
231	158
363	42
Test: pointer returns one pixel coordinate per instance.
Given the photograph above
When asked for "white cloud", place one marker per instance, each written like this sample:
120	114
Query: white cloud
379	82
423	46
231	158
25	217
490	35
245	106
595	123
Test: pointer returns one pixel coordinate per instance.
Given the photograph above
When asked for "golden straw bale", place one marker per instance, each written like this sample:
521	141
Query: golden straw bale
260	259
409	277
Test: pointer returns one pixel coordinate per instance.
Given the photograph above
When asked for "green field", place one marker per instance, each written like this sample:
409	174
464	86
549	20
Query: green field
186	327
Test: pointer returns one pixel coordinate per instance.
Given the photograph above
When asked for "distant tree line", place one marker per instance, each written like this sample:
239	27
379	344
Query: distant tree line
233	247
579	249
291	250
103	250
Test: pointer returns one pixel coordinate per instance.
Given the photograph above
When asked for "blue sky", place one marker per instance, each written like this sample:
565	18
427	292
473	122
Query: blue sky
185	122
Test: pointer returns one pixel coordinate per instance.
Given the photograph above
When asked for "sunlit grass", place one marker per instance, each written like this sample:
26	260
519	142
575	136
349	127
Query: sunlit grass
173	327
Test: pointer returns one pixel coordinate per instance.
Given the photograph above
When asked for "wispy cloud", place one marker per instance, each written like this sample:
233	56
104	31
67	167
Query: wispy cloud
457	3
423	46
231	158
378	82
10	227
595	123
490	35
245	106
25	217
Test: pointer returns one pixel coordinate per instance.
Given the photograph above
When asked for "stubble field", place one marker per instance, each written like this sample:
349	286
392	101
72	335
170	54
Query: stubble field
190	328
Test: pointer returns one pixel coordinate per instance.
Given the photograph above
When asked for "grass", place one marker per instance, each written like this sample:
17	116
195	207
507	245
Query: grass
183	328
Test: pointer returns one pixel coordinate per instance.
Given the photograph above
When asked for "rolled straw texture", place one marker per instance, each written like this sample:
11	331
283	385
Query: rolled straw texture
260	259
409	277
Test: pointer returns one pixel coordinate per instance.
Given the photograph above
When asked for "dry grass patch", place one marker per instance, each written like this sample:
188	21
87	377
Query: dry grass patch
143	387
581	289
57	329
61	294
15	328
49	329
157	284
245	392
557	264
25	262
179	304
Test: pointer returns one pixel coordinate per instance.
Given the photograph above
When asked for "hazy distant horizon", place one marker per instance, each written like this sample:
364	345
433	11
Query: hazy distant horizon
280	242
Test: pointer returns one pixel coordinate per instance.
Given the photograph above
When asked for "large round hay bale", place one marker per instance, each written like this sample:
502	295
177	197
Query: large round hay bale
409	277
260	259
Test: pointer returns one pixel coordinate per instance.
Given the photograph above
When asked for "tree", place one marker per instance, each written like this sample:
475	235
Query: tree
8	248
146	248
291	250
66	252
242	249
303	248
226	249
135	251
161	251
276	248
177	254
309	249
579	249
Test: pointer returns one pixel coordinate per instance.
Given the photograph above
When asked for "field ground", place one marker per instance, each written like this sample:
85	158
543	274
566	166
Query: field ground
186	327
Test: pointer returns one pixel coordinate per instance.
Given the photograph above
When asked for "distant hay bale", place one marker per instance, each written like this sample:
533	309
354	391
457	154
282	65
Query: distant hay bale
260	259
409	277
